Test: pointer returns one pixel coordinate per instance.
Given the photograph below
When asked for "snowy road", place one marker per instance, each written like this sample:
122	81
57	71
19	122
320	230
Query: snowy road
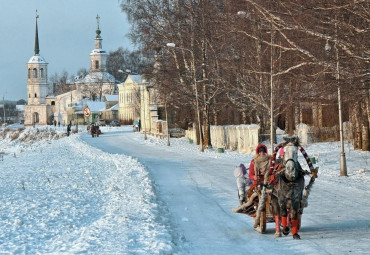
199	191
121	194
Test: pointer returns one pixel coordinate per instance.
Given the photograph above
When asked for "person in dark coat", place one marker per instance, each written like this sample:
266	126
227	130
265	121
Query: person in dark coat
69	129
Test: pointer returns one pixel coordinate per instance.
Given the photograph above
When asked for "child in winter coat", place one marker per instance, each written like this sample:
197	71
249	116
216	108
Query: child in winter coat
243	182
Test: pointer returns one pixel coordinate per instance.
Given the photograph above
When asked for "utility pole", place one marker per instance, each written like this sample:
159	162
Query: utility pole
271	96
168	132
4	108
343	164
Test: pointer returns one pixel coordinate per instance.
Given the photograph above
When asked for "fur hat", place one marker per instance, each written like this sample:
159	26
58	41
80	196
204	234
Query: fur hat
262	149
261	146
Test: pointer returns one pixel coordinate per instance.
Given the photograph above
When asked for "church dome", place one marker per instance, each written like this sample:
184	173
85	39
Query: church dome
37	59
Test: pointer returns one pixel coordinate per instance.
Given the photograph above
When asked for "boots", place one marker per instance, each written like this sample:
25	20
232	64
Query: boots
295	229
284	223
277	226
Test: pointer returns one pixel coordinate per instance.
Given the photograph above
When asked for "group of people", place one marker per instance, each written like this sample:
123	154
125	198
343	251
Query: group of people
246	182
259	165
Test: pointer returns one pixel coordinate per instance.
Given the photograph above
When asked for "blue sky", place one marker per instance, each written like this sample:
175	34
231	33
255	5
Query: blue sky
66	37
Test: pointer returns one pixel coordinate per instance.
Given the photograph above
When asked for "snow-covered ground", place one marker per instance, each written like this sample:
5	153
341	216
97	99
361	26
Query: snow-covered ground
121	194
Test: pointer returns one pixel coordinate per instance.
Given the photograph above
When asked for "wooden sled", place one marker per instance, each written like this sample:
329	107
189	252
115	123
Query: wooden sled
247	208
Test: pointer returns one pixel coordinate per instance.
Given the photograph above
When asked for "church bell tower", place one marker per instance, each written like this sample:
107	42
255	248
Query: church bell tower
98	56
37	75
37	111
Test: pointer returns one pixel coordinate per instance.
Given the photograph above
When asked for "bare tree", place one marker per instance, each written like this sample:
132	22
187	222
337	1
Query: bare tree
295	51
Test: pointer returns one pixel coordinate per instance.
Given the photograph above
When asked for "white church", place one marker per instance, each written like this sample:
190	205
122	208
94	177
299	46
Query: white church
132	101
44	108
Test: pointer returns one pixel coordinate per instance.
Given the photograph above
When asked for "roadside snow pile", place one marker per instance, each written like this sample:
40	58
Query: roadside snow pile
15	141
68	197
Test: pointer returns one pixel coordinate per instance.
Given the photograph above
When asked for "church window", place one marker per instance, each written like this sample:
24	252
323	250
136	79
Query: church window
96	64
29	73
34	73
52	102
42	73
35	95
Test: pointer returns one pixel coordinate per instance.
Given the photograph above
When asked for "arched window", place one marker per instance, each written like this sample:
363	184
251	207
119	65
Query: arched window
42	73
34	73
52	102
96	64
35	95
29	95
29	73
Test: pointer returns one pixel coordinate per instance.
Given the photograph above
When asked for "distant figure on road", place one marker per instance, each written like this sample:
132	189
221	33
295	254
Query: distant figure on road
69	129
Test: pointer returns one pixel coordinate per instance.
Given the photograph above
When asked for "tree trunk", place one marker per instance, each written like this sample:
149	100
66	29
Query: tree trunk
196	128
357	139
365	128
206	128
366	133
215	117
290	118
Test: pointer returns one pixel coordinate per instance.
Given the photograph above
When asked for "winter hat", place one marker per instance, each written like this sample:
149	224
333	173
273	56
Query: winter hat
281	152
238	172
244	170
262	149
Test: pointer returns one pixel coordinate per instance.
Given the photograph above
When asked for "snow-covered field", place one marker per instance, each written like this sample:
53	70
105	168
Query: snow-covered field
121	194
66	196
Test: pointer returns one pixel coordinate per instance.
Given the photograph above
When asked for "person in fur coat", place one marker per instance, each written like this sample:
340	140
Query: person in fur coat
259	165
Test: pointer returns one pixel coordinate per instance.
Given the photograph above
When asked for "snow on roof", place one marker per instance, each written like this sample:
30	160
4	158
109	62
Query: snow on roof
36	59
96	77
19	107
136	78
114	107
111	98
96	106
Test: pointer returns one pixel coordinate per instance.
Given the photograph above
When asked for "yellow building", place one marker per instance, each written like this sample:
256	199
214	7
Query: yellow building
129	98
